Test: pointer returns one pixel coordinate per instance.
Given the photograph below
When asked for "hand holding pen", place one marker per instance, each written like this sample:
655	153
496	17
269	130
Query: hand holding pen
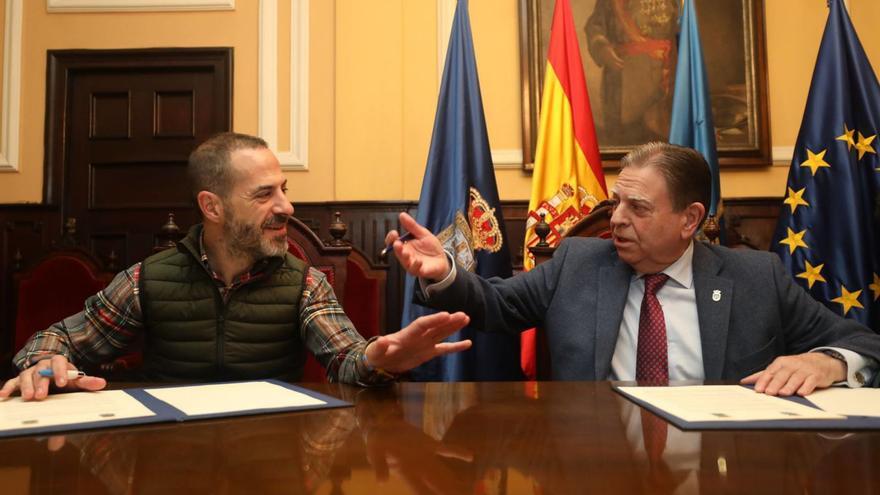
419	251
34	382
390	247
71	374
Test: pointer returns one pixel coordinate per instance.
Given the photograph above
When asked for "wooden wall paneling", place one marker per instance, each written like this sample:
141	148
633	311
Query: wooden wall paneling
515	215
32	229
368	222
751	222
110	249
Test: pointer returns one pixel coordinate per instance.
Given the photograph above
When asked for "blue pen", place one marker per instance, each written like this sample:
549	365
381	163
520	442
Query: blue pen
71	374
405	237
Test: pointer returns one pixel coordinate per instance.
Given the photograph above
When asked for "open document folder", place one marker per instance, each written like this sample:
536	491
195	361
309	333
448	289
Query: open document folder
82	410
737	407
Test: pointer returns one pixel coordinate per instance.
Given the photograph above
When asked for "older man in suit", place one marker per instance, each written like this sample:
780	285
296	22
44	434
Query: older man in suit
653	304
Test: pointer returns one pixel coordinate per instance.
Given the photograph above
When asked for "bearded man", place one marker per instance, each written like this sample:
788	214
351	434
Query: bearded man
229	302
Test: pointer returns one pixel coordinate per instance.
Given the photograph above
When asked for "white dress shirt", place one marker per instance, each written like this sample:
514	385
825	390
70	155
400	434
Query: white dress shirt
684	348
679	303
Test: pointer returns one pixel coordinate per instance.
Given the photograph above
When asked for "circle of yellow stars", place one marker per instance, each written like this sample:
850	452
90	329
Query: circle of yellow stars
795	198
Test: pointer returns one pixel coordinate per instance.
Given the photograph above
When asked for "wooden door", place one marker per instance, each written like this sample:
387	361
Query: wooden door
120	126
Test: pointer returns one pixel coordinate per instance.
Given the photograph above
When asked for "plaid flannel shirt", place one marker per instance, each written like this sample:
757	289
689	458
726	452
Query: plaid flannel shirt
112	320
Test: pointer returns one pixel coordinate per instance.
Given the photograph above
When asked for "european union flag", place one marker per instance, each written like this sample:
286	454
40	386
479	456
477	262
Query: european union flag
692	123
459	203
827	234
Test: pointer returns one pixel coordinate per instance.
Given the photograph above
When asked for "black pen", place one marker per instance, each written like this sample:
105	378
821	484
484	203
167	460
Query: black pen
405	237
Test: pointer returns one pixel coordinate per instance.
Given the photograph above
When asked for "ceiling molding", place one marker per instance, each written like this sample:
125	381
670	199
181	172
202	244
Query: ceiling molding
65	6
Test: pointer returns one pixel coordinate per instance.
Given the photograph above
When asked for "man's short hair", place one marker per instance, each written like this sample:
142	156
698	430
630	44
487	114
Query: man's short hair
686	172
209	166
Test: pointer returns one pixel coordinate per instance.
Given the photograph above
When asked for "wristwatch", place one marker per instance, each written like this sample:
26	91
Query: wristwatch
832	353
859	377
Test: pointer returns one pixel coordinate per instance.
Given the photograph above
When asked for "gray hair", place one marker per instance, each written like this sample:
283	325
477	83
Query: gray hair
686	172
209	166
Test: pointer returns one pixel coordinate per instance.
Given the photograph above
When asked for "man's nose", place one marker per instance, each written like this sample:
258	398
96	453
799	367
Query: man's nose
617	216
283	205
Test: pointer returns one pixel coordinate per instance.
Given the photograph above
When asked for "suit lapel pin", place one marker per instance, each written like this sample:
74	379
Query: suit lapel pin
716	295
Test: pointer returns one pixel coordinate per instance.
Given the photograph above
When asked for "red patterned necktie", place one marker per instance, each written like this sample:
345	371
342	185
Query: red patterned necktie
652	363
654	431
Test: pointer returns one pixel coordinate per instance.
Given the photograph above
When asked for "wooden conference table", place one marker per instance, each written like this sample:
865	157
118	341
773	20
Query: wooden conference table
457	438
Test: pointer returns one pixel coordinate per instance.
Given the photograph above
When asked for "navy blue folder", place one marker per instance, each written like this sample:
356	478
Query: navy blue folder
850	423
165	413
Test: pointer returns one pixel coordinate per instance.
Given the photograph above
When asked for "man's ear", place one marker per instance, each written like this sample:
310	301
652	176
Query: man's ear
693	213
211	206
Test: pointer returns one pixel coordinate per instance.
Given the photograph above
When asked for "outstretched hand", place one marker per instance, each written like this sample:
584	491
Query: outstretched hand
800	374
420	341
33	386
422	255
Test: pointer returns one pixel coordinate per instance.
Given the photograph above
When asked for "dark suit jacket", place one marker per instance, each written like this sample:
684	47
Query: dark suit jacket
578	297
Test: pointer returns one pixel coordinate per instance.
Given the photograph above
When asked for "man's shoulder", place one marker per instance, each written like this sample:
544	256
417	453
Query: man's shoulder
162	256
291	262
293	270
582	255
742	261
315	276
587	246
739	254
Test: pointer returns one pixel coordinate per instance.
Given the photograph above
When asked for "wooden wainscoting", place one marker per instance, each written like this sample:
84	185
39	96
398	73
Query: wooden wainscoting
29	231
750	222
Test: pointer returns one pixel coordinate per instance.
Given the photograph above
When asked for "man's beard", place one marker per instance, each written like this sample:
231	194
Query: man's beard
246	239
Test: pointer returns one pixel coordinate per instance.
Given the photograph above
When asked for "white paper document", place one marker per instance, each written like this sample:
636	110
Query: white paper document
70	408
849	401
229	397
724	403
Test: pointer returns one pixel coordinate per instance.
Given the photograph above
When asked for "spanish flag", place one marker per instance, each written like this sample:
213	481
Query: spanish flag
567	180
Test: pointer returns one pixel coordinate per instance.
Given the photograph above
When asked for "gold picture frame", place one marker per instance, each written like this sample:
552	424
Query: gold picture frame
631	101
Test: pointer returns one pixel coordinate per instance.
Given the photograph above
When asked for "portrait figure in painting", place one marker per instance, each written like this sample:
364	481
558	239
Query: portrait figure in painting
629	53
633	43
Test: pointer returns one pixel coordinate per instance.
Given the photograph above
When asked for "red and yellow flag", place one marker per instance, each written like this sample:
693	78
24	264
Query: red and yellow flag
567	180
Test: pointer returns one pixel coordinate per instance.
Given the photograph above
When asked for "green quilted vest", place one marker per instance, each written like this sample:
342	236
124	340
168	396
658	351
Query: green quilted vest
191	335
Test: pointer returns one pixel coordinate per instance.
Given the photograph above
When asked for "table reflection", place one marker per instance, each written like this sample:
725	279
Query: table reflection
444	438
278	453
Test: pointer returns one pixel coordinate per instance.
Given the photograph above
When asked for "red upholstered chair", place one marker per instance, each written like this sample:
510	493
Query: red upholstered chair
58	285
596	224
365	294
303	243
359	285
54	288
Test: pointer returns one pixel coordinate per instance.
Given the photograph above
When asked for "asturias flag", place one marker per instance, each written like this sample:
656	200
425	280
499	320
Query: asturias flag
567	181
827	234
692	124
459	203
